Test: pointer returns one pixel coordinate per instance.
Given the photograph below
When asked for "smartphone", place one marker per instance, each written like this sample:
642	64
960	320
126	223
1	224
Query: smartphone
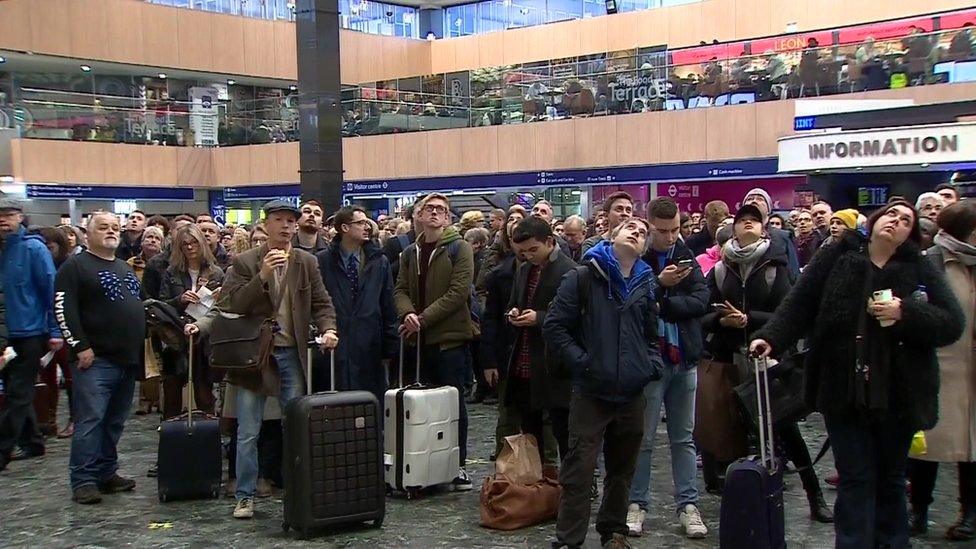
720	305
685	264
514	313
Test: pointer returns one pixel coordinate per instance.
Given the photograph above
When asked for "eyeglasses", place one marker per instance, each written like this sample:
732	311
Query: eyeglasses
435	208
361	222
190	244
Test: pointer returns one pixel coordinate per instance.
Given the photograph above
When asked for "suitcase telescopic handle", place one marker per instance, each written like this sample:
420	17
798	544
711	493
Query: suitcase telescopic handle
189	388
308	368
403	344
765	413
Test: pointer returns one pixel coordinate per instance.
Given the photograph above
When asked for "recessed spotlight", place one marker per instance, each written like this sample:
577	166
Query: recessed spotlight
3	59
86	68
293	87
162	76
231	82
858	168
925	164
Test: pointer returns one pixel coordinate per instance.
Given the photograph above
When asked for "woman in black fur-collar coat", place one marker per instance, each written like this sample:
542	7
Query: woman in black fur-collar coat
872	369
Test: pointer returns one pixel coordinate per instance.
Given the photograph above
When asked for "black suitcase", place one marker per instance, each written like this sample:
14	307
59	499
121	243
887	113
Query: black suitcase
752	512
333	455
189	457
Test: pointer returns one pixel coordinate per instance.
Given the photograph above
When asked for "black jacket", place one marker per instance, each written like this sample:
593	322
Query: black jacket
755	297
497	335
611	347
128	249
152	276
825	305
393	248
174	284
367	324
701	241
684	304
547	391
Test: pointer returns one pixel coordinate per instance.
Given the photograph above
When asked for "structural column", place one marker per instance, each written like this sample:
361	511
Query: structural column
320	107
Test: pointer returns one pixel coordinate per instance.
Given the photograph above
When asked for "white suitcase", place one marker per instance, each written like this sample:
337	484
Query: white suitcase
420	435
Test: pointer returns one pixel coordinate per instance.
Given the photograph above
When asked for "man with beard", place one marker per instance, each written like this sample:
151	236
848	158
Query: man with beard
103	321
309	237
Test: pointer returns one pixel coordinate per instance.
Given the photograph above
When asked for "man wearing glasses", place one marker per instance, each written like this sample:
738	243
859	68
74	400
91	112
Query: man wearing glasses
357	277
432	294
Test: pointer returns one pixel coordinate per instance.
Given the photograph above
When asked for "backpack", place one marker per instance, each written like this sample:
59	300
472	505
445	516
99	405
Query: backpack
721	271
474	304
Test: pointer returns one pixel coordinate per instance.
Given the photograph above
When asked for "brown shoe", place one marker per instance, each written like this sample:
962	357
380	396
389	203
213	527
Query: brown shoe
264	488
68	431
86	495
116	484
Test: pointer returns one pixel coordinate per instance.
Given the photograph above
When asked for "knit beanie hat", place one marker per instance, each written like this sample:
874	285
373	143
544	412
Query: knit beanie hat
847	217
761	192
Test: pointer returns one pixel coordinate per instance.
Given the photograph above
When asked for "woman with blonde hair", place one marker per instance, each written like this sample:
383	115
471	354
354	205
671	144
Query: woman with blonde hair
192	268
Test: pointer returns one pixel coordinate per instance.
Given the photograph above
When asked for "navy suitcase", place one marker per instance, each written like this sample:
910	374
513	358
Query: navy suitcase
333	457
189	458
752	501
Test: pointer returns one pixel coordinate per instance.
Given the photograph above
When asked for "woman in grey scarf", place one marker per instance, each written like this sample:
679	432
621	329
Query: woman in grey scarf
953	440
746	287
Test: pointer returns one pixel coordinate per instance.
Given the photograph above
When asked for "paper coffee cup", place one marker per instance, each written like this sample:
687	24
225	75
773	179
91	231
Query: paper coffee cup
883	296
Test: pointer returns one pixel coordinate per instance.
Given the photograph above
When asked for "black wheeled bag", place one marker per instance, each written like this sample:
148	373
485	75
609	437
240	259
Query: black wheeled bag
333	455
189	458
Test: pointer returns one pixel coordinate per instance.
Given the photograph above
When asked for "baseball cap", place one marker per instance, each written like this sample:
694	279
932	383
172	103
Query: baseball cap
749	210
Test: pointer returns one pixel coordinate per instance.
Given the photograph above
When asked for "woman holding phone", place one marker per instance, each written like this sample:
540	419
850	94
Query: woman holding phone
875	386
746	287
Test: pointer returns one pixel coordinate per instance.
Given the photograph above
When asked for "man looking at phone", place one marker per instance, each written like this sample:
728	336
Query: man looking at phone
683	301
532	389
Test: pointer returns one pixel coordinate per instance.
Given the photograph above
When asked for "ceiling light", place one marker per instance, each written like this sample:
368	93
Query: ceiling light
231	82
925	164
858	168
293	87
86	68
3	59
162	76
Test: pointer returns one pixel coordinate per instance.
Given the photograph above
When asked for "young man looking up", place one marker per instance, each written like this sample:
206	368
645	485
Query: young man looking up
603	323
357	277
309	237
131	244
617	208
532	389
276	281
683	301
432	294
98	305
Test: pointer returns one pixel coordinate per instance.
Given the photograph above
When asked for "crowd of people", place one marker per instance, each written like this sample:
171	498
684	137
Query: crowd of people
581	332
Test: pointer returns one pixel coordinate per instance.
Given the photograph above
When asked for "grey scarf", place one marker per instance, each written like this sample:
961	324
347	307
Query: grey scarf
746	257
965	252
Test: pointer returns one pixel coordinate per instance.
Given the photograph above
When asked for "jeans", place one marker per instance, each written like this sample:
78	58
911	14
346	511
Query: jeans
676	389
594	425
18	421
871	509
250	416
102	398
440	367
923	475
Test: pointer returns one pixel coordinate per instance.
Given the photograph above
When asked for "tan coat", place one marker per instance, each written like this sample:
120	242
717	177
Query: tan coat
244	293
954	438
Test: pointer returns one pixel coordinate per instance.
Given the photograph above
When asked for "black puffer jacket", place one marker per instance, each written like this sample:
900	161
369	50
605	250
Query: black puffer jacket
755	297
826	304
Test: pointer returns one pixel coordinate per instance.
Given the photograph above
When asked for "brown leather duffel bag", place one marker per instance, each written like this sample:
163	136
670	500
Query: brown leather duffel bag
719	427
506	505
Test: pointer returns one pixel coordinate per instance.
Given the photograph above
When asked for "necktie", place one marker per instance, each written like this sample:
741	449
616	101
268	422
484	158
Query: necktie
352	271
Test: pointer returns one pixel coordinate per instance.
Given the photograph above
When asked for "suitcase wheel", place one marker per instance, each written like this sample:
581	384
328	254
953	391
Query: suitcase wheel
413	493
285	527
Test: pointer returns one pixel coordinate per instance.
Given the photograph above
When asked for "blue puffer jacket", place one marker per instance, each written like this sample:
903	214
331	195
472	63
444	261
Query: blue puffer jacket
28	286
609	341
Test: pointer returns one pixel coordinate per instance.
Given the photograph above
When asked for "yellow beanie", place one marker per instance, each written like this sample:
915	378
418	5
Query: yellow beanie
848	217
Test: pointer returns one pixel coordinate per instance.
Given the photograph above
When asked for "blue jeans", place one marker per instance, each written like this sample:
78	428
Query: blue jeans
440	367
871	508
250	415
102	397
676	389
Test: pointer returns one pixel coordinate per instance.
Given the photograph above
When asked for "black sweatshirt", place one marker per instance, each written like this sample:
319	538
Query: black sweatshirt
97	305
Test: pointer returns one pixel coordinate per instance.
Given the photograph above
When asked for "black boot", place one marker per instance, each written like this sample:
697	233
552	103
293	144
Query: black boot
965	528
819	511
919	521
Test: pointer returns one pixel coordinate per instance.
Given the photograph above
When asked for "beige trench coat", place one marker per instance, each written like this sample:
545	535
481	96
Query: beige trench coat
954	438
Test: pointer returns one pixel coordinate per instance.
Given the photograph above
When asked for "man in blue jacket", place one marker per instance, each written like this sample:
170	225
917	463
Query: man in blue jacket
28	272
683	300
603	321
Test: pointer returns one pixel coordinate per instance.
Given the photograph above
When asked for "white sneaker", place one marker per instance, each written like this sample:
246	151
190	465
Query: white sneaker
635	520
463	482
244	509
691	521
